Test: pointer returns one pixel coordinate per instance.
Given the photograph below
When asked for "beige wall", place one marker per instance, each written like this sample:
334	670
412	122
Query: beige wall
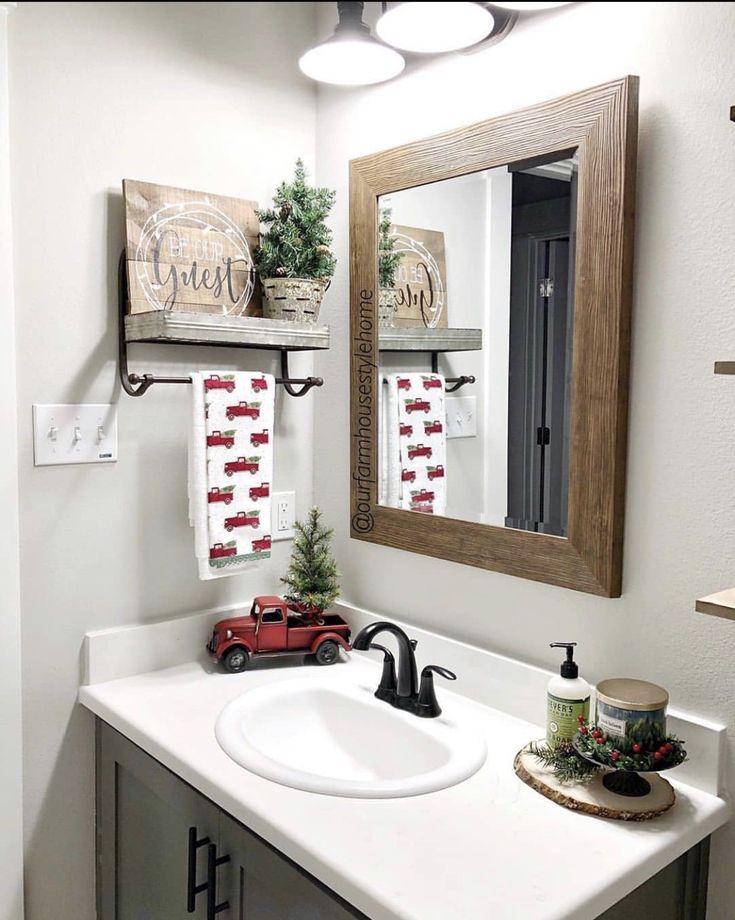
680	531
197	95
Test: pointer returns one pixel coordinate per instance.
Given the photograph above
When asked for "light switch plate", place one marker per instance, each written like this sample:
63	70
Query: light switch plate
283	510
74	434
461	416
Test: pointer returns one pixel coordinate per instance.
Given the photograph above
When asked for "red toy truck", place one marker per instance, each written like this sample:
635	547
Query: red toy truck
260	546
217	439
242	465
405	430
436	472
403	383
259	383
274	628
215	382
219	550
408	475
434	427
242	519
242	408
432	383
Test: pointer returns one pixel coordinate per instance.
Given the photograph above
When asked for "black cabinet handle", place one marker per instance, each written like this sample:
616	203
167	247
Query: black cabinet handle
192	889
213	861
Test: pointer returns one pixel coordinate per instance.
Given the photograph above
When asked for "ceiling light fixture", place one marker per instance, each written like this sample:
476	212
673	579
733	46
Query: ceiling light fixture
531	6
431	28
352	57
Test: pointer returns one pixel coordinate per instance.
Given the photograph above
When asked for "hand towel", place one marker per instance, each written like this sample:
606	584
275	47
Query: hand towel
415	470
231	470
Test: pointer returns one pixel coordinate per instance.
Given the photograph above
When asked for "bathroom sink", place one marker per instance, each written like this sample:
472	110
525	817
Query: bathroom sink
329	734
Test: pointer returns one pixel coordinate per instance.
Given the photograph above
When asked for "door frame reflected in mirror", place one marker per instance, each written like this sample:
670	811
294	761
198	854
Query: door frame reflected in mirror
601	125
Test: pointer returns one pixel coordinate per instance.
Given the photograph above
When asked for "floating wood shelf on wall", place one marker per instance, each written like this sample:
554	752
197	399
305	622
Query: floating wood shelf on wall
721	604
164	327
725	367
430	340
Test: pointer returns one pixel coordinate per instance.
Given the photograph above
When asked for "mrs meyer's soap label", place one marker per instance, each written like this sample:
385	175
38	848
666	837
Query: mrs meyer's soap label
562	718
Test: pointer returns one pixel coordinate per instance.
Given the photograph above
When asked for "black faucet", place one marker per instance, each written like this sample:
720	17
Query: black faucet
405	693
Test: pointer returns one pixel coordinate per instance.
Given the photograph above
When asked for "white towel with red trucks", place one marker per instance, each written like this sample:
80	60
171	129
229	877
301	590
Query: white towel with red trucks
231	469
415	428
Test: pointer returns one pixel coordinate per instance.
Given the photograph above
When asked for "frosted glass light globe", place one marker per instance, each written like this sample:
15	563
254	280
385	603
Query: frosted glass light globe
430	28
532	5
351	62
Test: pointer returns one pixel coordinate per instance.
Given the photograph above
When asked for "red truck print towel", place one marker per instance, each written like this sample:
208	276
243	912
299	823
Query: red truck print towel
230	470
413	443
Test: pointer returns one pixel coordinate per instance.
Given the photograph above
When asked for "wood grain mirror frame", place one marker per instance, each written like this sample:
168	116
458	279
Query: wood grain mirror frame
601	125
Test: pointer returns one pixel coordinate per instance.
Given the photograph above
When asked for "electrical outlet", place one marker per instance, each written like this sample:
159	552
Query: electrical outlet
461	416
283	512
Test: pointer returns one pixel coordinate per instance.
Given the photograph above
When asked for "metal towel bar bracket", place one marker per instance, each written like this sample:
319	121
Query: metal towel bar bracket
451	384
137	384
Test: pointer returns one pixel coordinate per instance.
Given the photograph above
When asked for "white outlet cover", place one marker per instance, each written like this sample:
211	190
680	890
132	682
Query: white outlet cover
74	434
290	499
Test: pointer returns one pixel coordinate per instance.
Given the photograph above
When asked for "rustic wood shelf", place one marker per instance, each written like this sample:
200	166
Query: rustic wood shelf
432	340
725	367
721	604
170	328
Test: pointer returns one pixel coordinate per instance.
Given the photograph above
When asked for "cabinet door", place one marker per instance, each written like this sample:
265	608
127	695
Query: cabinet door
144	817
678	892
262	884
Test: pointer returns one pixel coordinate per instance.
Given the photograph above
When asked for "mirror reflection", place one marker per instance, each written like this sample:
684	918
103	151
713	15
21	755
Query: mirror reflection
475	316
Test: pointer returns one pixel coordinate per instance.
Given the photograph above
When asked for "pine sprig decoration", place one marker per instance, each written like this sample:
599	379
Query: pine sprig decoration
312	576
645	748
567	765
297	243
388	259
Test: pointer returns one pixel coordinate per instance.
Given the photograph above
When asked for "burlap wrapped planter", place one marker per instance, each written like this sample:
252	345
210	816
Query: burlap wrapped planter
294	299
386	307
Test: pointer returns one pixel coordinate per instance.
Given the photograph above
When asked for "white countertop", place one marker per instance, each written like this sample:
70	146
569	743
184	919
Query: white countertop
488	847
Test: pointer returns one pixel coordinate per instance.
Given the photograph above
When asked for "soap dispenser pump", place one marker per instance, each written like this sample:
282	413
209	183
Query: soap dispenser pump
567	699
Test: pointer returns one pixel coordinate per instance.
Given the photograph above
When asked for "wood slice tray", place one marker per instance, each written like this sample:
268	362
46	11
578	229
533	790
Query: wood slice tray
590	796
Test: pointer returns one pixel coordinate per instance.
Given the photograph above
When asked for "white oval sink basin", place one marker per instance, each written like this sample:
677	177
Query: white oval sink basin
328	734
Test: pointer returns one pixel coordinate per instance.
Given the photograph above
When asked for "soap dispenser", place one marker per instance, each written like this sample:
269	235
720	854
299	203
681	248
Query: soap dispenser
568	698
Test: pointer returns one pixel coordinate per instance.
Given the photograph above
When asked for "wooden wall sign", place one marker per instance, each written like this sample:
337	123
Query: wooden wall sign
421	279
190	251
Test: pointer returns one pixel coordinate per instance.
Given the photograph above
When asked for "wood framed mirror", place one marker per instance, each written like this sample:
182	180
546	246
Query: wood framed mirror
547	270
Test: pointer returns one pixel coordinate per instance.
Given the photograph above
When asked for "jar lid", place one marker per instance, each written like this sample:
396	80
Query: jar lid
629	693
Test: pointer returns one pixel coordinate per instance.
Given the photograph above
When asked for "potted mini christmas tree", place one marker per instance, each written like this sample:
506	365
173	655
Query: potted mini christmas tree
312	576
388	261
294	259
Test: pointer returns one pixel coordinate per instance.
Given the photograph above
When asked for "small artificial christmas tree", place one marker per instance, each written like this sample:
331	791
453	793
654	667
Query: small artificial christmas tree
388	259
297	242
312	575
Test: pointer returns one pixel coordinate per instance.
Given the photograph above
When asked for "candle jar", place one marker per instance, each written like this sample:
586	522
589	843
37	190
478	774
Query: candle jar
629	708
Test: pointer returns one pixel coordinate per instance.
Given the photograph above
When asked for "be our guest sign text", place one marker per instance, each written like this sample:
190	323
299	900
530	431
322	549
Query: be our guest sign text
189	251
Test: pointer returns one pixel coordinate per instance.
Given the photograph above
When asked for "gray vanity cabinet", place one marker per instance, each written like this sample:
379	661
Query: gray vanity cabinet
159	840
163	848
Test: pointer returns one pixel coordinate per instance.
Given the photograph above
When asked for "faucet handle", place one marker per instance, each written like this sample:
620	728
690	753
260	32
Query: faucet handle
442	672
427	705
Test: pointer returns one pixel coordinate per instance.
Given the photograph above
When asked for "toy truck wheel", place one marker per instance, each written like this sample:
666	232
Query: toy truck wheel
228	472
228	528
230	416
228	500
327	653
236	659
230	387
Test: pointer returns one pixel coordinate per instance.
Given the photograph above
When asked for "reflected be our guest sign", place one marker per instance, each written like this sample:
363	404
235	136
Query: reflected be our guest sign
190	251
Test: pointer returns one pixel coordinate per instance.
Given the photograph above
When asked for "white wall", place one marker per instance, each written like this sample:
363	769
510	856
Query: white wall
197	95
455	208
680	531
11	815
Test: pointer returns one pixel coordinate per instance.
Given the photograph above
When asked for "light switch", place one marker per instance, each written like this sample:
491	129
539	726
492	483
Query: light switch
461	416
74	434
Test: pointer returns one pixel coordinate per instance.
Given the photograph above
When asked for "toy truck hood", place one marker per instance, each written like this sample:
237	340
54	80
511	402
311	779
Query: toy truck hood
236	624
